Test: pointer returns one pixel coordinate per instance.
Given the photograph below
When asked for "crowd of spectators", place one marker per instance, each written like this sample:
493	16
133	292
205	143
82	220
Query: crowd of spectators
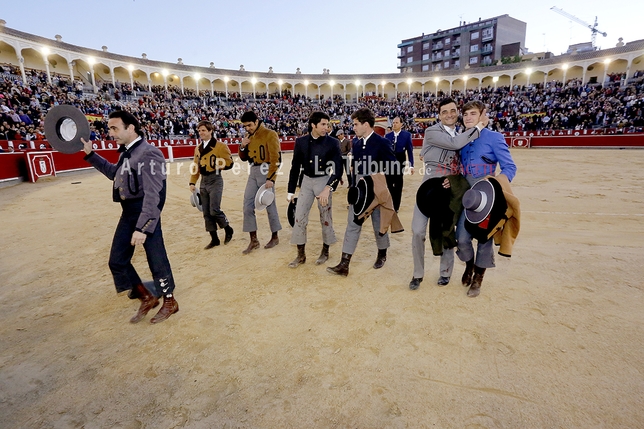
173	113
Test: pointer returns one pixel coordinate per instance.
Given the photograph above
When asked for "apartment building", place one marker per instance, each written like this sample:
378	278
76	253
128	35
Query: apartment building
475	44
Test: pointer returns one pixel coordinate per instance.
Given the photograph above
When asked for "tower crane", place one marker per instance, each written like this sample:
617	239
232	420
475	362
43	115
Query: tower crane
593	28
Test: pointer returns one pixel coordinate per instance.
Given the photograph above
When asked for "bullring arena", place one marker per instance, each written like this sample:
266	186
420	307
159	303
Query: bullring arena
554	340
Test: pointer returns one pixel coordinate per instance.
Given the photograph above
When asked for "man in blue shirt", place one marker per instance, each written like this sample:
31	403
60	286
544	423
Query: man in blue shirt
479	158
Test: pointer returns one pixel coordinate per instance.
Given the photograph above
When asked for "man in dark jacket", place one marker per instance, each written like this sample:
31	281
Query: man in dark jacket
140	187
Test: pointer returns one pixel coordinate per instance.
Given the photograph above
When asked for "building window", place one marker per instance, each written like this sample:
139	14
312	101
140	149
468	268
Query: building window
447	41
474	35
457	64
410	49
426	67
426	45
446	64
474	48
409	60
474	60
446	53
487	33
425	57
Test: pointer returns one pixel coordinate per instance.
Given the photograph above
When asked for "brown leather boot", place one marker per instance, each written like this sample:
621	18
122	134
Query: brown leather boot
467	275
274	241
301	257
169	307
342	269
254	243
324	255
380	260
475	288
148	302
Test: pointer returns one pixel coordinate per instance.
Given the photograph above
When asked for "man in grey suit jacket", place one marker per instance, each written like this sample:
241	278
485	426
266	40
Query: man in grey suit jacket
440	156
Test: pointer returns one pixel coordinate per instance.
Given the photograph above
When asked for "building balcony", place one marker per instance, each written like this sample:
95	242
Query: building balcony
457	42
437	46
487	50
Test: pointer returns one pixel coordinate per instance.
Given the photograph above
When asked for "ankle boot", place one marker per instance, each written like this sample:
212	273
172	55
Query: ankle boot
229	234
324	255
342	269
467	275
254	243
475	288
380	260
214	240
301	257
274	241
169	307
148	302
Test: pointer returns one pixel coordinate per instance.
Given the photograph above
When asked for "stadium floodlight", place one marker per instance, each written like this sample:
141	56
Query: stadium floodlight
606	63
45	51
495	79
528	72
91	61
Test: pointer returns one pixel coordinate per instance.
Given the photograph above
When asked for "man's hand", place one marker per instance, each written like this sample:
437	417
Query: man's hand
289	197
269	184
137	238
324	196
88	147
193	188
446	183
245	141
411	170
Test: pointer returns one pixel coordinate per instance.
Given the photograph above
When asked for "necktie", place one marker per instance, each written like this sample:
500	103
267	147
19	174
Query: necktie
395	141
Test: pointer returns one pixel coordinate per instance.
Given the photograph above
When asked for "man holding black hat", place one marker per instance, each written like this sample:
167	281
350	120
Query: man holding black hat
480	158
372	154
440	157
317	156
140	187
261	148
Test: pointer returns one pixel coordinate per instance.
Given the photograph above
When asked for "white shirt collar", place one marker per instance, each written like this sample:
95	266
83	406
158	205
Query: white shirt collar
367	138
450	130
128	146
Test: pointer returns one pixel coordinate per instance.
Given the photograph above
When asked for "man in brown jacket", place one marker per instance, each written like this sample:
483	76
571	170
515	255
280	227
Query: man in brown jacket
261	148
211	158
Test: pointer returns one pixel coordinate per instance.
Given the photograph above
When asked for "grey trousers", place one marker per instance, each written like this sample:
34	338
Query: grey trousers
211	189
352	233
419	224
312	186
255	180
465	252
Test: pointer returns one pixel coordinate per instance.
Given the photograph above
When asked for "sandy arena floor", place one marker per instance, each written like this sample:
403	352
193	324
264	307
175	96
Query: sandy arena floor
554	341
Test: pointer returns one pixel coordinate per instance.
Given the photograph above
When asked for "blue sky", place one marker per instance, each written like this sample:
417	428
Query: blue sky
344	36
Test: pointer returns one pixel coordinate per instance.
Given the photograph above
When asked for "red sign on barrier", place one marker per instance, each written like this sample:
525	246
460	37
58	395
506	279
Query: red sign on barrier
40	164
